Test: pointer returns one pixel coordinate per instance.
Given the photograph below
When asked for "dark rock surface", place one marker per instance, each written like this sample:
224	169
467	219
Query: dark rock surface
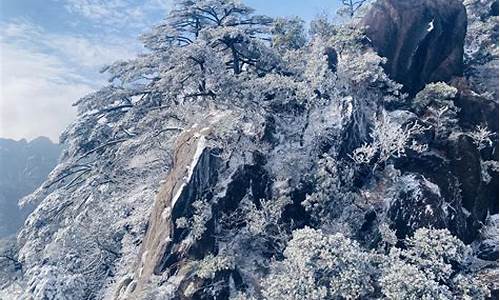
422	39
422	205
474	108
457	173
494	9
466	165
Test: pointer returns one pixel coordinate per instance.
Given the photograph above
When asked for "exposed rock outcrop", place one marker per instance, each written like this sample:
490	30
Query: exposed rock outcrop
458	174
417	206
479	197
164	248
423	40
475	109
416	202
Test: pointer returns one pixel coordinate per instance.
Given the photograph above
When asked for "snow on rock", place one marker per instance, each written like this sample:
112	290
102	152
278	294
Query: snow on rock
487	247
189	177
431	26
389	22
417	202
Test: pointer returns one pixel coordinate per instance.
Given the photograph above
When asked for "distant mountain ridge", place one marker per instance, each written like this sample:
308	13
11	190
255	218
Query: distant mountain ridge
23	167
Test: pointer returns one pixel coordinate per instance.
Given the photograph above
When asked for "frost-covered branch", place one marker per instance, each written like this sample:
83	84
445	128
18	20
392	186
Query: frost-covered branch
389	140
481	137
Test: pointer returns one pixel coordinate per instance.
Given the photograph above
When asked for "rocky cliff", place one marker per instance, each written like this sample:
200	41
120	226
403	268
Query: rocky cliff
422	40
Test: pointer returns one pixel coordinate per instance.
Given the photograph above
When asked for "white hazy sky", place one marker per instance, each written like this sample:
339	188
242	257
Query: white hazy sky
51	52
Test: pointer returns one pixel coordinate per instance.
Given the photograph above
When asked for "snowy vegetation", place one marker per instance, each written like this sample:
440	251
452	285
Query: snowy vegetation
305	185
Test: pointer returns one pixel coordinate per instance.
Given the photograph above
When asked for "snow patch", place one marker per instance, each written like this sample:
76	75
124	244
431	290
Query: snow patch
200	146
428	210
434	188
466	212
136	99
166	213
102	121
431	26
205	130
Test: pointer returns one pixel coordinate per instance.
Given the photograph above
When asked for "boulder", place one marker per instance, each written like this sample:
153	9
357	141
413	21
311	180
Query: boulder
417	202
486	247
478	197
474	108
456	170
423	40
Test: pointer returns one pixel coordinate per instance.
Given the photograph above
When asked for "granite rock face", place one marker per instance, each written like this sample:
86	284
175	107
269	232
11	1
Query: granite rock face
423	40
166	248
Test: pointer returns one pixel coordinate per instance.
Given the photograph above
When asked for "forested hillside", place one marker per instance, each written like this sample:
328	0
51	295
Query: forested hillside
246	157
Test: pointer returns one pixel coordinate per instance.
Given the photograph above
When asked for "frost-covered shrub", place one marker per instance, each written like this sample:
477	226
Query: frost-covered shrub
321	27
435	104
390	139
435	251
202	212
331	266
387	235
424	269
47	283
471	287
481	137
320	266
487	167
288	33
210	265
259	225
332	190
318	72
269	214
10	266
438	92
481	47
404	281
350	8
482	32
241	296
361	66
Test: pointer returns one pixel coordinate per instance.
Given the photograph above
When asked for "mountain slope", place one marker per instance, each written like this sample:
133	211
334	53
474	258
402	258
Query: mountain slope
241	158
